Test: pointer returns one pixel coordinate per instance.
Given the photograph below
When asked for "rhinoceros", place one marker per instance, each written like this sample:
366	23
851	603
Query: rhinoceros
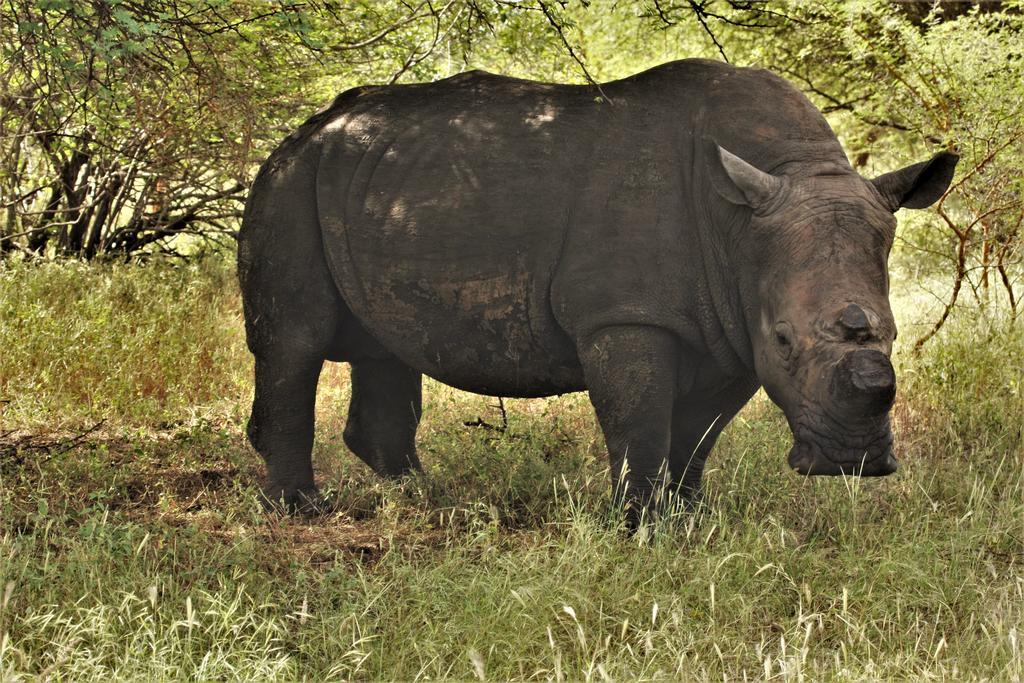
669	242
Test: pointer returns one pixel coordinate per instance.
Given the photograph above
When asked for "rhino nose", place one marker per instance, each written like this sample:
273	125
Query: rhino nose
864	382
854	323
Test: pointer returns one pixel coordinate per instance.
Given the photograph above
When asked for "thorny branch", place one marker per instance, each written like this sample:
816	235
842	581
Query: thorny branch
560	30
13	450
701	13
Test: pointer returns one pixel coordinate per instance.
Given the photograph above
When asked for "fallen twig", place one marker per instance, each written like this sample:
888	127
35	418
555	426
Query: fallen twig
51	448
480	422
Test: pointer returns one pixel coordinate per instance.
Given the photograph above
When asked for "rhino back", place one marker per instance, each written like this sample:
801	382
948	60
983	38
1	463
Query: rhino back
444	208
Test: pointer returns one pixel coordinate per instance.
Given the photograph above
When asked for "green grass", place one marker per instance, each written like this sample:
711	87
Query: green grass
138	550
135	346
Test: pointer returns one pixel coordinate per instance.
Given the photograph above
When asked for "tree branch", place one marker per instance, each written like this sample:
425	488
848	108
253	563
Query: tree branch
559	29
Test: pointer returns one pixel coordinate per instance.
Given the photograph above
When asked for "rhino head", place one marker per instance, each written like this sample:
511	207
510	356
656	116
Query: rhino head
820	323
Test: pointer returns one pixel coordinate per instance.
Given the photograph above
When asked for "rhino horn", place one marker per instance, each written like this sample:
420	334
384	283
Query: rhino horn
738	182
864	382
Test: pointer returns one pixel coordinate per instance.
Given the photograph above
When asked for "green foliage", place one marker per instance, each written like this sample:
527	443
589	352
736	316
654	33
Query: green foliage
139	550
901	82
130	125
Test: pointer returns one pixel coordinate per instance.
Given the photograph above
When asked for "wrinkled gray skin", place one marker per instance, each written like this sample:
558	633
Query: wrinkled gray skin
525	239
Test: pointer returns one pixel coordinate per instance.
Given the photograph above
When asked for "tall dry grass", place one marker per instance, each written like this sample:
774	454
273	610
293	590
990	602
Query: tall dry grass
139	550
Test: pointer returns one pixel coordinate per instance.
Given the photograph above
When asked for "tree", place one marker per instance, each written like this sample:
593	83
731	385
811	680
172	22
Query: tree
902	82
127	125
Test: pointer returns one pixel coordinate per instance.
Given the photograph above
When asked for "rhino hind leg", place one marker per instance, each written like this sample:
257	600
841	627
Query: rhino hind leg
293	313
290	334
281	427
383	415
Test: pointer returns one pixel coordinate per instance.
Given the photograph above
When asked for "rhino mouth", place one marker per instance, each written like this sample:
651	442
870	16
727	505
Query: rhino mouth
816	452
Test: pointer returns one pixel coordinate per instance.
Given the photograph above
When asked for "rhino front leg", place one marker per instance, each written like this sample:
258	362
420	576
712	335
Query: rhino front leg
630	373
697	421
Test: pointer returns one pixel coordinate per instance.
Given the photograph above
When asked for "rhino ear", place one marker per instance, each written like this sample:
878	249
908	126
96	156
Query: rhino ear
738	182
918	186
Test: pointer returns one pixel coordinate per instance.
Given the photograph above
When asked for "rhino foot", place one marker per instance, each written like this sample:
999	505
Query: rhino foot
307	501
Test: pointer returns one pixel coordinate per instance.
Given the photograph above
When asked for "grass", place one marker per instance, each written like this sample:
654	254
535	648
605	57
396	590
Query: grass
137	550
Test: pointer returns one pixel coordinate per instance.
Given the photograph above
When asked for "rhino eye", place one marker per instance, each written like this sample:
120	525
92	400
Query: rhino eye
784	339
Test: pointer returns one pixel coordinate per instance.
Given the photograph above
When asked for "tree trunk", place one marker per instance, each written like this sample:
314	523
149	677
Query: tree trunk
106	199
75	192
